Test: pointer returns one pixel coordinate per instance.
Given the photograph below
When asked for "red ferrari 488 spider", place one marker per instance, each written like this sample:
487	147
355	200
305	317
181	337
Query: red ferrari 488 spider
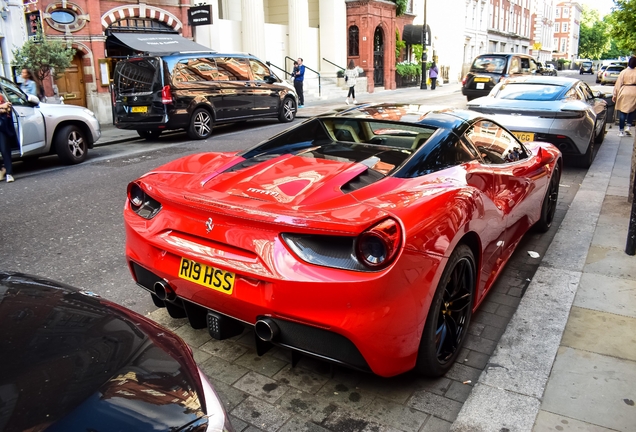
366	237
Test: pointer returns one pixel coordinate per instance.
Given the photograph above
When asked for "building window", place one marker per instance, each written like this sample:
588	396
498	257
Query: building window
354	44
564	28
557	14
566	12
563	42
557	27
140	25
65	16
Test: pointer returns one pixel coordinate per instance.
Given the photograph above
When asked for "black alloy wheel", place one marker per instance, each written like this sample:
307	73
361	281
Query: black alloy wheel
149	134
287	110
601	136
71	145
201	124
449	315
548	208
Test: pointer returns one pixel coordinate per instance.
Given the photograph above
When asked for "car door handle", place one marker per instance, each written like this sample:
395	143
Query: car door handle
248	85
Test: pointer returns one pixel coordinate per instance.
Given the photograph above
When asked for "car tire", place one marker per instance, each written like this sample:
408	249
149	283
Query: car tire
436	354
71	145
149	134
201	124
598	139
287	110
548	208
585	161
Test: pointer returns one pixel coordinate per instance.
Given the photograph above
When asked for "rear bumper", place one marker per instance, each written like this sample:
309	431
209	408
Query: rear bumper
473	94
379	316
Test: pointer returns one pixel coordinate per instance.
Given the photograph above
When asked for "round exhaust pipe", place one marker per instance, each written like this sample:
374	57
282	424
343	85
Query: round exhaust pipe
164	291
266	329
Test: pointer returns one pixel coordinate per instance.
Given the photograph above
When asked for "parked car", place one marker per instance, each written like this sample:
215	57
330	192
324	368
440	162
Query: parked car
366	237
44	129
599	74
559	110
546	69
610	75
196	91
586	67
73	361
489	69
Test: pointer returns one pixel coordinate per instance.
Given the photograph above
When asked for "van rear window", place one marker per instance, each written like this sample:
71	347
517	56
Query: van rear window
490	64
136	76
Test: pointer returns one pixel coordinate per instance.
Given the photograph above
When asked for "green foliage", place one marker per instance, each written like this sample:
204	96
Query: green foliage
399	45
417	52
400	7
43	56
614	52
623	22
594	37
408	69
563	61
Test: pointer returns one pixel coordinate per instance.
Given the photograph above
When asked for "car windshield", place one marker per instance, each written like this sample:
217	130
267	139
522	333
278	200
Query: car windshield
587	64
381	145
530	92
490	64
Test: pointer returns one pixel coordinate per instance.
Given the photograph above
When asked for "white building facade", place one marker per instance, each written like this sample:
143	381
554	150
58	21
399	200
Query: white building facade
476	39
543	29
13	32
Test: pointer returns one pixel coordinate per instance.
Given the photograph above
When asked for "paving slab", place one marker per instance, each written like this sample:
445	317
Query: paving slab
496	410
593	388
610	262
607	294
602	333
550	422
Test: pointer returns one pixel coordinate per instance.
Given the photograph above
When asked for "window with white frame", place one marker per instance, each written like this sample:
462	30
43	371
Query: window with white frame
557	13
566	12
564	42
564	28
557	27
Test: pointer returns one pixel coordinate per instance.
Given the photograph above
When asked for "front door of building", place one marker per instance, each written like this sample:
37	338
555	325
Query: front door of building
70	84
378	58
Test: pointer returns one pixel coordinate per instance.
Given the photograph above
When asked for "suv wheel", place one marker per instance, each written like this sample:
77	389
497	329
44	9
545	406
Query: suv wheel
149	134
70	145
287	110
200	124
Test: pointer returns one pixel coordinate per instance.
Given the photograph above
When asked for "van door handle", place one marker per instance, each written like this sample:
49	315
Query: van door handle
248	85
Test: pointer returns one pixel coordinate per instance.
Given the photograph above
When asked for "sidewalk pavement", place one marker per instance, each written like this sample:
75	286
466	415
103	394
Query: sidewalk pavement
567	360
112	135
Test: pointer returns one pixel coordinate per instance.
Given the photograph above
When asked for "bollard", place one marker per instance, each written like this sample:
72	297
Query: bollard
630	248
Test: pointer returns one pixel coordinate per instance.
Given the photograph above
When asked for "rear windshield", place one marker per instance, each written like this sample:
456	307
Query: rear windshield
490	64
525	91
136	76
614	69
587	64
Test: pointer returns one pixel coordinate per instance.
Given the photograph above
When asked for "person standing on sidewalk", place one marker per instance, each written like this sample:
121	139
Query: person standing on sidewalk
28	86
625	97
298	83
7	135
432	74
351	76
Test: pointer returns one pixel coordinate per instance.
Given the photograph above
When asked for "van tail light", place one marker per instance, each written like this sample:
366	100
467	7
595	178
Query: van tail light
166	95
464	80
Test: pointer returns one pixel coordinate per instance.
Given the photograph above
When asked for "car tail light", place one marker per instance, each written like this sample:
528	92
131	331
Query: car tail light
569	114
378	246
166	95
464	80
141	203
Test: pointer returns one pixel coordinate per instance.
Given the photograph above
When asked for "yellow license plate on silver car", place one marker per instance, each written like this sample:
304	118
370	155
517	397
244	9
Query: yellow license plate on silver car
207	276
524	136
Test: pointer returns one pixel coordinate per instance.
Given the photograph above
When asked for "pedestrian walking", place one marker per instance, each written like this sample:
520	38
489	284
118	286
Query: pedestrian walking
432	74
7	136
28	86
299	77
625	97
351	77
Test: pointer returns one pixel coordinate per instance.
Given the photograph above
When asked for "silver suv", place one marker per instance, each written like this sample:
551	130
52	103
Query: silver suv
44	129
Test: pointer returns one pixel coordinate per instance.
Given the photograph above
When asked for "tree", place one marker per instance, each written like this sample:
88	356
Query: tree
400	7
43	56
613	52
623	21
593	35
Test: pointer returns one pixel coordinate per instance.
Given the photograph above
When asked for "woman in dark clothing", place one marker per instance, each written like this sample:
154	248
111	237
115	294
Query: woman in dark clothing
6	137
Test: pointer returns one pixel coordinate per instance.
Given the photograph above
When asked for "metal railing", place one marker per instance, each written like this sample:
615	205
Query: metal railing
332	63
270	64
306	67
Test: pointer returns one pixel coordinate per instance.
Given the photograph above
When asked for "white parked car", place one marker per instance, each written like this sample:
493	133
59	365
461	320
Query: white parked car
43	129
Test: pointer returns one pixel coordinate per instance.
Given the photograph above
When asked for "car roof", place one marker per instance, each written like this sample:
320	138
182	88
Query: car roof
448	118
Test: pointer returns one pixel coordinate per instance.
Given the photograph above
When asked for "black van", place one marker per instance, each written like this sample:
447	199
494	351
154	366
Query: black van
195	91
488	69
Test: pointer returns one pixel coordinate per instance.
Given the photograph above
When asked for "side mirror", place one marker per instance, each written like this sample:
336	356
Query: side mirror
269	79
33	99
544	157
597	94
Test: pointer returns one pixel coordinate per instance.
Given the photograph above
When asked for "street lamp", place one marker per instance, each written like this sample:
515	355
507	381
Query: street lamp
424	58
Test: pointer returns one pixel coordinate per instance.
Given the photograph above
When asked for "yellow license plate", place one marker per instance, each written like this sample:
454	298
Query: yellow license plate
481	79
524	136
207	276
140	109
